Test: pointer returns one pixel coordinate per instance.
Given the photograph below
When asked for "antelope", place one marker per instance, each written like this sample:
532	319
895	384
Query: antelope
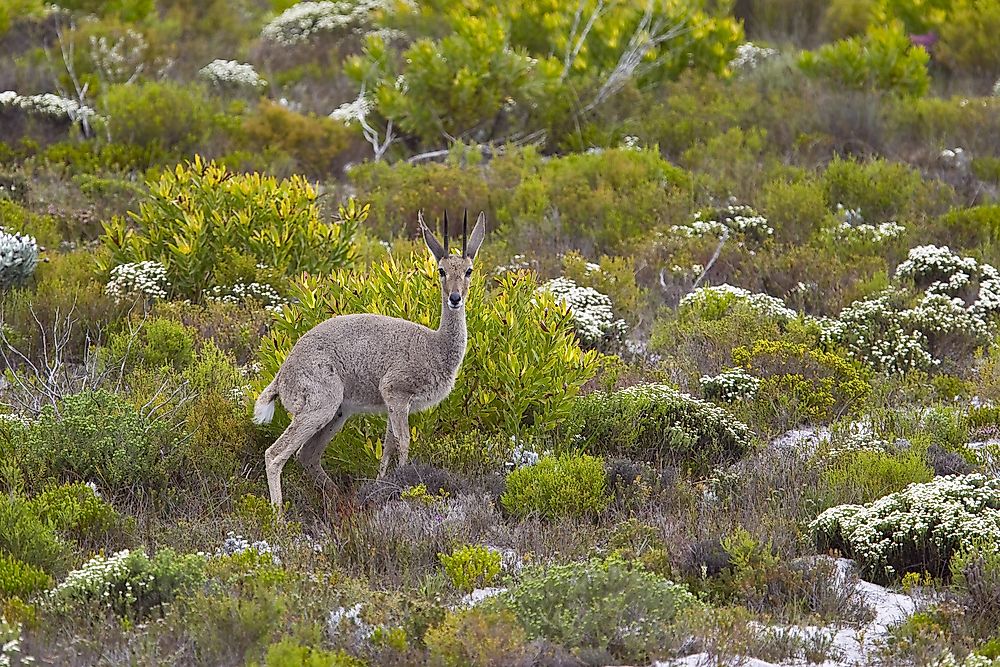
367	363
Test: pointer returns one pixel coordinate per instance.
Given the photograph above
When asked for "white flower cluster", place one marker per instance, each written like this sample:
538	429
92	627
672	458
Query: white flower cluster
935	262
355	110
48	104
521	457
736	218
737	430
592	311
945	273
749	56
10	645
971	660
237	544
119	59
516	263
726	294
230	73
95	579
343	619
261	293
942	515
853	227
302	21
18	258
138	279
732	385
955	158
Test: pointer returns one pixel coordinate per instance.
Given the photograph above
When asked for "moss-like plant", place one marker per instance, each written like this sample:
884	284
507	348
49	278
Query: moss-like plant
567	485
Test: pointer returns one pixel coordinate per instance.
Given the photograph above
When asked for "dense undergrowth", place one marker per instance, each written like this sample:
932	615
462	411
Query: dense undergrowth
736	313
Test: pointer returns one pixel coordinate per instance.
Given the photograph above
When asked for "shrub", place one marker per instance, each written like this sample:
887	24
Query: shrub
593	314
307	144
210	227
657	424
76	512
567	485
914	530
26	538
975	572
289	653
728	386
97	436
522	366
865	476
18	579
477	637
18	259
161	121
968	42
598	606
883	59
471	567
879	190
156	344
129	583
800	384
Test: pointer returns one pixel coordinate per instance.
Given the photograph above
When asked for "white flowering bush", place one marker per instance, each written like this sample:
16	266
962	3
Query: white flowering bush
47	105
129	583
715	301
851	227
18	258
119	59
657	424
259	293
917	529
735	219
135	280
232	74
971	660
304	21
11	652
593	312
749	56
729	386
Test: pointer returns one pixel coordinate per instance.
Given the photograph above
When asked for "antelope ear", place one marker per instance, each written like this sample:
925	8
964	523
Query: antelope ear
477	236
432	243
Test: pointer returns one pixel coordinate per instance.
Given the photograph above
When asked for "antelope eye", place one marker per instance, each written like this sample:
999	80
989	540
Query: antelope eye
441	272
468	272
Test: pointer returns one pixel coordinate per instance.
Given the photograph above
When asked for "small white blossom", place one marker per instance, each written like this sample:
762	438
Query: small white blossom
732	385
133	280
749	56
233	74
304	20
48	104
592	311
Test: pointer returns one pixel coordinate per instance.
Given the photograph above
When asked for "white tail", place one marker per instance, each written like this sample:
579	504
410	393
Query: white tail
263	409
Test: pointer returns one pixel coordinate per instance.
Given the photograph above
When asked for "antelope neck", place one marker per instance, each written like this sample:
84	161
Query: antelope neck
452	334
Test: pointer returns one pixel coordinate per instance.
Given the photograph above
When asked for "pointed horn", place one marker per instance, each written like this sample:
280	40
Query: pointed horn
465	231
446	248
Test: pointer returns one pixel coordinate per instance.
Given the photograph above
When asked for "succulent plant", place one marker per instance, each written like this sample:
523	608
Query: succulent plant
18	258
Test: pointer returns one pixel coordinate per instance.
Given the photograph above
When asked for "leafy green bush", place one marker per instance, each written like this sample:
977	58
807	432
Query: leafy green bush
76	512
161	121
25	537
917	529
129	583
800	384
477	637
884	59
20	579
880	190
975	572
866	475
566	485
296	143
968	38
210	227
471	567
289	653
100	437
598	606
657	424
521	369
155	344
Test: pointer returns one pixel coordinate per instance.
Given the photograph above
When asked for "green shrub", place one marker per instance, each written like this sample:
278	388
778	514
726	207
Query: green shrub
18	579
100	437
289	653
598	606
986	168
161	121
883	59
567	485
917	529
25	537
968	38
469	452
76	512
799	384
795	209
880	190
297	143
477	637
976	228
210	227
975	572
154	344
867	475
657	424
521	369
471	567
129	583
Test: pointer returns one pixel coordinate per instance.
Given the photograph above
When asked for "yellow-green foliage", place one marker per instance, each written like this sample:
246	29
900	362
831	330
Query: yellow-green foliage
20	579
880	189
477	637
75	511
565	486
307	144
154	344
866	475
521	368
289	653
471	567
614	277
25	537
801	384
210	227
883	59
12	10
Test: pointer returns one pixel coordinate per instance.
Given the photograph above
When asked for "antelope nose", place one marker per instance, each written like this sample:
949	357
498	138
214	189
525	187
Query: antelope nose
455	298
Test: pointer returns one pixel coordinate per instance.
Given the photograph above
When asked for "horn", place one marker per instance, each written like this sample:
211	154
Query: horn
446	249
465	231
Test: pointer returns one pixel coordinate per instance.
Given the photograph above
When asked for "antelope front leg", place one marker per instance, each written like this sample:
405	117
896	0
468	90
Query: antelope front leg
399	422
388	449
